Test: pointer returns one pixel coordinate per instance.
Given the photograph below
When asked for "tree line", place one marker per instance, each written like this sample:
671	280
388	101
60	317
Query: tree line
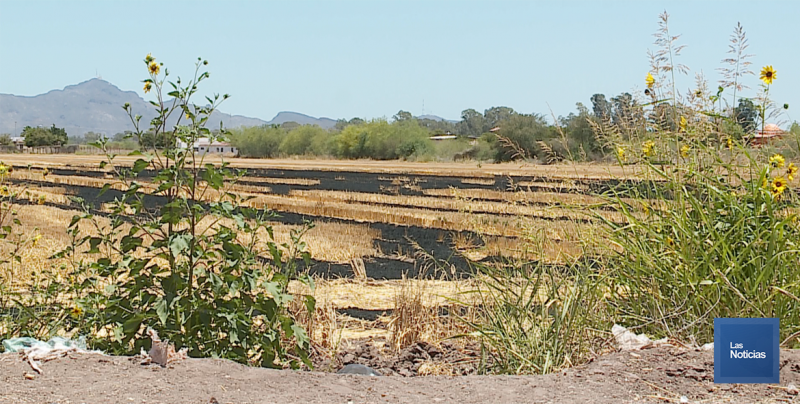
498	133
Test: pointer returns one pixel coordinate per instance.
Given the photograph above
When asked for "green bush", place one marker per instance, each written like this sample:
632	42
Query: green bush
380	140
258	141
203	269
305	140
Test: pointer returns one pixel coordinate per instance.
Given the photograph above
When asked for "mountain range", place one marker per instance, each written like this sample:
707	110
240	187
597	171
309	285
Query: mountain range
96	105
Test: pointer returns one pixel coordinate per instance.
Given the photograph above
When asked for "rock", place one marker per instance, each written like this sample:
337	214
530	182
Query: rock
348	359
354	369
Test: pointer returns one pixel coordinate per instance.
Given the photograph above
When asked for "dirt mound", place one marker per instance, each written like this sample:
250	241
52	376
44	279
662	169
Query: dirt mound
651	376
419	359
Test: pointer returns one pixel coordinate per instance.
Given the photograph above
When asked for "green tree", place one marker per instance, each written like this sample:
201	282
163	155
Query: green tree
402	116
437	127
343	123
582	142
472	123
152	139
44	137
5	139
623	109
493	116
258	141
91	137
601	107
746	114
290	125
519	137
300	141
380	140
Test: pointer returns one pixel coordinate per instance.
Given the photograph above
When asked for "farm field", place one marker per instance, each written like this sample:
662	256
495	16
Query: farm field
382	232
393	254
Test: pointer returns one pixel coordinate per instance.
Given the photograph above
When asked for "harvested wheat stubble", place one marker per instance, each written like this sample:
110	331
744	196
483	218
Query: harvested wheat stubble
459	204
577	171
490	224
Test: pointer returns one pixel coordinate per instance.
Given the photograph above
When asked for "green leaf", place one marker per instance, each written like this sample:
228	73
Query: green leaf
94	242
129	243
103	190
139	165
179	244
161	311
131	326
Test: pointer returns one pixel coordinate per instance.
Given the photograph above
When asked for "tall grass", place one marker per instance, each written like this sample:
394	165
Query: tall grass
535	318
719	239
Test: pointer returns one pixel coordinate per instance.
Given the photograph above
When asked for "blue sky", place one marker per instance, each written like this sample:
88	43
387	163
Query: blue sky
343	59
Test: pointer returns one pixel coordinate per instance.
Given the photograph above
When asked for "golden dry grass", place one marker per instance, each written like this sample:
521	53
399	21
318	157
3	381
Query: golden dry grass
379	295
563	171
334	242
459	203
415	303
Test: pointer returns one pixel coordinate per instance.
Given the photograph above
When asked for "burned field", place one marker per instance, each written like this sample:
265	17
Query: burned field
413	221
393	251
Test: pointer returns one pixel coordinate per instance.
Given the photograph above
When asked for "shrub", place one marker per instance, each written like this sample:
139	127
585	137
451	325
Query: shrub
712	231
201	268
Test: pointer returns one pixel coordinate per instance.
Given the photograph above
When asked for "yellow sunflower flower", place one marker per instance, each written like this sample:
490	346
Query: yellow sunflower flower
650	80
767	74
791	170
149	59
729	143
778	186
684	123
45	172
4	191
685	150
147	87
647	148
3	169
36	239
777	161
154	68
621	153
76	312
42	200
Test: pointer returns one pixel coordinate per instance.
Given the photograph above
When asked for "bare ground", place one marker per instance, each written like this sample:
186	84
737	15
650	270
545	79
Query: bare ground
656	375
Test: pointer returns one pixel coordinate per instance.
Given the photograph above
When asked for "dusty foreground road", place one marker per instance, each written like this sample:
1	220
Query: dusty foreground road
657	375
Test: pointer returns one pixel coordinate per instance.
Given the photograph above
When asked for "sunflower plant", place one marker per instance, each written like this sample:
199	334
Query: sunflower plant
720	236
184	255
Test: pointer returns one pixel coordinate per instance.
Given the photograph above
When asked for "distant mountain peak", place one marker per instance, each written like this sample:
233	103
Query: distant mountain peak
92	105
302	119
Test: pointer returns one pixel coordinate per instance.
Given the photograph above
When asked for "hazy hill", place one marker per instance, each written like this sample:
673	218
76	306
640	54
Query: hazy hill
435	118
96	105
302	119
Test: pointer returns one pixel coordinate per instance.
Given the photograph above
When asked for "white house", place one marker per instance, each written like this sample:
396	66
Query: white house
18	142
204	145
